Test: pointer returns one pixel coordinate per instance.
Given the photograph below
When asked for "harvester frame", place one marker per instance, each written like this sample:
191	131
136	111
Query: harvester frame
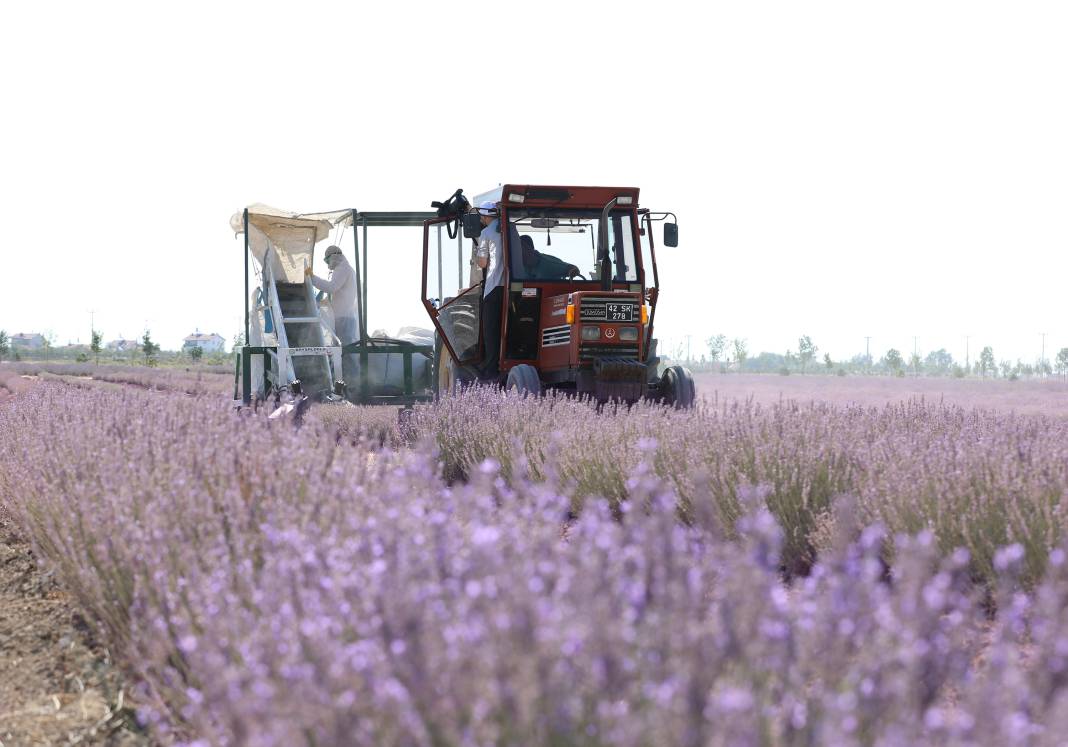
276	380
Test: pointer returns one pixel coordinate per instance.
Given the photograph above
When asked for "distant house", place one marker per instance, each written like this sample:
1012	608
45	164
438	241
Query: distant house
212	343
28	341
123	346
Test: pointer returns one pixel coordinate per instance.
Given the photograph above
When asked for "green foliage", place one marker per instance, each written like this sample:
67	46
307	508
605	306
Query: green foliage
94	345
806	351
986	361
939	362
716	345
196	353
149	349
741	352
1062	361
4	344
893	360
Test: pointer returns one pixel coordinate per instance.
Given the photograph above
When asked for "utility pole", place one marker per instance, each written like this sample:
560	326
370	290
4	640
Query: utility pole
867	352
915	356
967	357
1042	360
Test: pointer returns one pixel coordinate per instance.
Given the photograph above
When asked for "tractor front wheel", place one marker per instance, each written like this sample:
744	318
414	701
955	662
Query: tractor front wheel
524	379
677	388
448	374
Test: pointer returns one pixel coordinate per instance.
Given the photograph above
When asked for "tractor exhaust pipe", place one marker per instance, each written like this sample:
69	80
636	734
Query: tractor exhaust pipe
603	258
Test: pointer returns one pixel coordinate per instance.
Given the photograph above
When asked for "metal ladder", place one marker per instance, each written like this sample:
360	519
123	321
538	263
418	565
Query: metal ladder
310	366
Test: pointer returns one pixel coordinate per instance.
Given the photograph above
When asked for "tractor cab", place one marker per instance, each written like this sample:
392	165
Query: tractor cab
580	294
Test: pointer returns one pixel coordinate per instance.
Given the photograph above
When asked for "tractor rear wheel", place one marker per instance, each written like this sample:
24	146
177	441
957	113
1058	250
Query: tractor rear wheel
677	388
524	379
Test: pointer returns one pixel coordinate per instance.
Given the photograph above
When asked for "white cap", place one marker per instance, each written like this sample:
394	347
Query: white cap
487	206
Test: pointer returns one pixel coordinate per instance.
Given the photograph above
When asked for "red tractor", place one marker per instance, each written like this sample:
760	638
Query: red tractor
578	302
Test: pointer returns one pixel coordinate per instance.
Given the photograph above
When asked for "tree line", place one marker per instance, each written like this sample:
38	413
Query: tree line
732	354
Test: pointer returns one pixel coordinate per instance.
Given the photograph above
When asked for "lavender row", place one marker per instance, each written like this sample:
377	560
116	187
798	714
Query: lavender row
976	479
197	381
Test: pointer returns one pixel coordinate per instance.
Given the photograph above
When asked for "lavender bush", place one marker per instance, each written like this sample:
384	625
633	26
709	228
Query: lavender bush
274	586
11	384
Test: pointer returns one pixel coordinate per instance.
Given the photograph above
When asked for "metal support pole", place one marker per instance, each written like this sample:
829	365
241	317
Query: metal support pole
246	375
441	292
365	380
362	331
363	316
408	388
247	341
460	285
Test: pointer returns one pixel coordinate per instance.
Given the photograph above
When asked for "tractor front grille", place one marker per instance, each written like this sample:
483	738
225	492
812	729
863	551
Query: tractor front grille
597	351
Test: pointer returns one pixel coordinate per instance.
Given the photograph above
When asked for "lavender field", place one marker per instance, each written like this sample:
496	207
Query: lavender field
512	571
1037	396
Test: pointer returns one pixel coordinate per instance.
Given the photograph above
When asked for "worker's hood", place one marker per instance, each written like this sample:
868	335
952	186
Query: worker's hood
290	237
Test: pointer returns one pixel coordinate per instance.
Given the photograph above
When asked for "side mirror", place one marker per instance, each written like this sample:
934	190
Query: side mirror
671	234
472	225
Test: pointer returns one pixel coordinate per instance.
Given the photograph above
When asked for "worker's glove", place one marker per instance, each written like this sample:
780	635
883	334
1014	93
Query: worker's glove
307	272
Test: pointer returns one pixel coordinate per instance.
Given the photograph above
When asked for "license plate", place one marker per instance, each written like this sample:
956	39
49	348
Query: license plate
607	312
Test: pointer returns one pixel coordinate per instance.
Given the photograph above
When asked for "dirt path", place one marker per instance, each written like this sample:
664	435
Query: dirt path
57	686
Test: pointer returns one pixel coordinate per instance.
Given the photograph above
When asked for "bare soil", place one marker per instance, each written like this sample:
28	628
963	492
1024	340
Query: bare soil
58	685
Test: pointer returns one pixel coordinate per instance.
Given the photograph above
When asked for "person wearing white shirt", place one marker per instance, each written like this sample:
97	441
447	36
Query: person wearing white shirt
490	257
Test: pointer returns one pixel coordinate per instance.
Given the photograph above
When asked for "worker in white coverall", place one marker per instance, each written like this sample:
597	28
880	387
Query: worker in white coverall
341	290
489	257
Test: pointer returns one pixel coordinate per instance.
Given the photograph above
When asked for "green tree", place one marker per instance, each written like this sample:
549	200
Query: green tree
49	343
149	348
986	361
716	345
938	361
4	344
806	351
196	353
893	360
741	352
1062	362
827	362
915	363
94	345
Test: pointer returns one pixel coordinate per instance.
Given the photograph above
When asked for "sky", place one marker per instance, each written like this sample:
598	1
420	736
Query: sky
839	169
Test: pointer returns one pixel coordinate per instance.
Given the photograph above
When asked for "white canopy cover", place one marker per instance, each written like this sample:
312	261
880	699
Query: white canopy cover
293	237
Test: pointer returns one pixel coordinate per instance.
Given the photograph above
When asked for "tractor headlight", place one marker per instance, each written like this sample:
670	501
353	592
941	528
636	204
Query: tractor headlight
628	334
591	332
